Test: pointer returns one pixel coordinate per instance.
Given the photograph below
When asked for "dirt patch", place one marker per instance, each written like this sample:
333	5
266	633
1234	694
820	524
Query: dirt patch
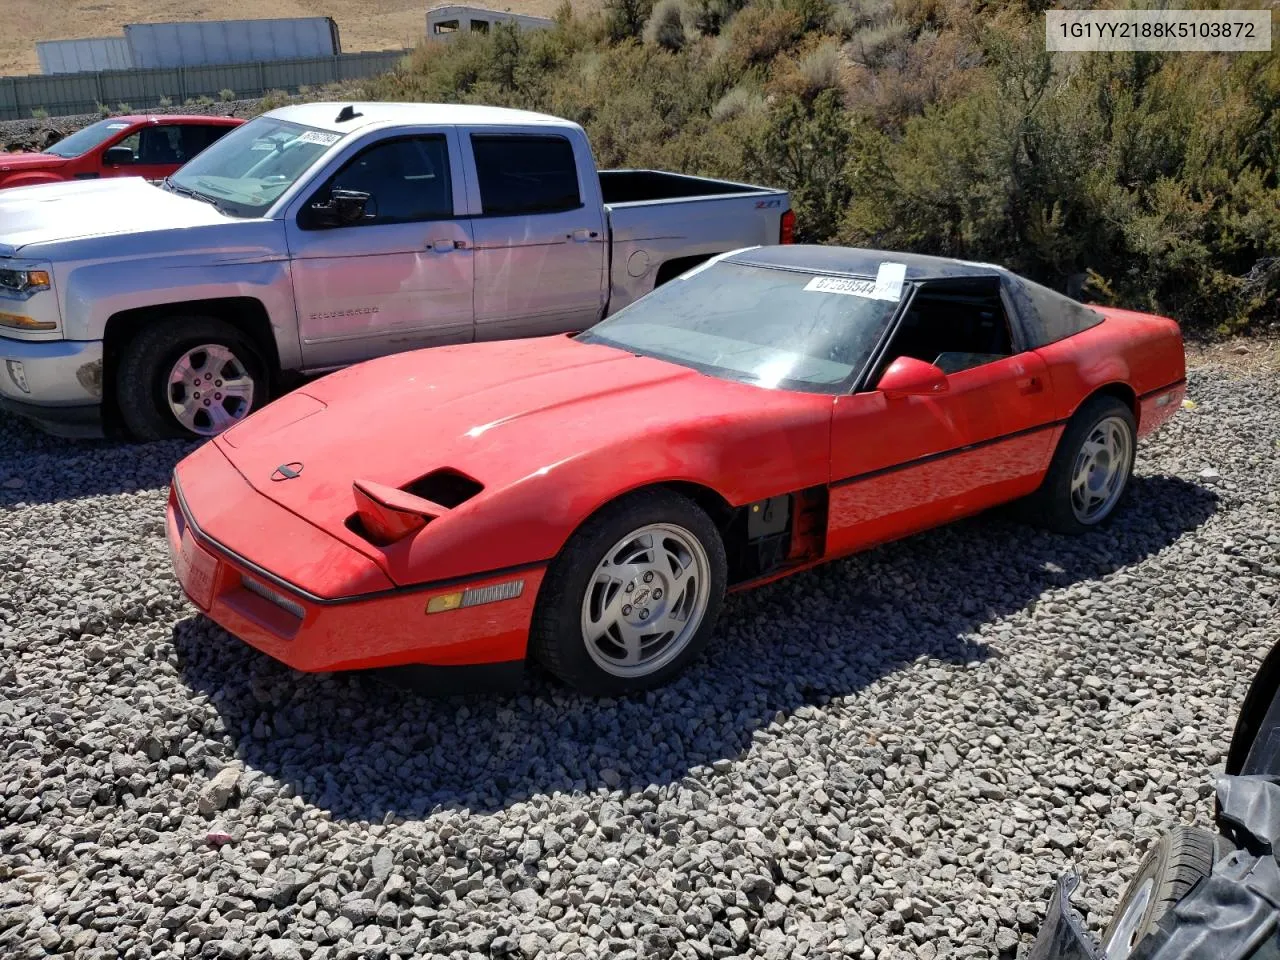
1239	356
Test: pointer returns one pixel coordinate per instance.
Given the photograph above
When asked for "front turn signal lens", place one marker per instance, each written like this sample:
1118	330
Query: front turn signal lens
446	601
17	322
475	596
37	279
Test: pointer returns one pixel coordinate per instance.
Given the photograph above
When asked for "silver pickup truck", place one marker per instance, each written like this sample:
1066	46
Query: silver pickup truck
317	236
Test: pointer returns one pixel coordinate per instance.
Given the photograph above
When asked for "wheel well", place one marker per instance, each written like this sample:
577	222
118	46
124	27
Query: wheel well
1122	392
671	269
753	551
246	314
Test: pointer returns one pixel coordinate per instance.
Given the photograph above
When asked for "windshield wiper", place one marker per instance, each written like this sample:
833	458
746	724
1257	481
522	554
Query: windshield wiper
195	195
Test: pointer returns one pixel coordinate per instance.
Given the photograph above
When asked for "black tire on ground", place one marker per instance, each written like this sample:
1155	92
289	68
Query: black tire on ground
1174	864
556	637
1050	506
143	371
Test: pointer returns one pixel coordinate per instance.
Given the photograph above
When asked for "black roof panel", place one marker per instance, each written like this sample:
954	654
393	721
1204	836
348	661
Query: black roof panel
859	262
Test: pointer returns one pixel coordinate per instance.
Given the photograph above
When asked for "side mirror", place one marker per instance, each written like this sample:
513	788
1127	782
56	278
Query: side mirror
909	377
343	208
118	157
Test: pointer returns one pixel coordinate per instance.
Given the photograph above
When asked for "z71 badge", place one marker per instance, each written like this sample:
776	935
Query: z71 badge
768	204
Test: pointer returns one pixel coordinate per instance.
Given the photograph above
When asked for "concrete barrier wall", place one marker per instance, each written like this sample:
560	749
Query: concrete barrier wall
62	95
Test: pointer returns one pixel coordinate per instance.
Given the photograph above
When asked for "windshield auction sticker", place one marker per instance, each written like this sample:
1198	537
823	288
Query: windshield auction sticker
1158	30
319	136
886	286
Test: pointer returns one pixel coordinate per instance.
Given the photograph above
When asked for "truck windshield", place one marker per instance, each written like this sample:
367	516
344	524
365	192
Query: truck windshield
770	327
246	171
84	140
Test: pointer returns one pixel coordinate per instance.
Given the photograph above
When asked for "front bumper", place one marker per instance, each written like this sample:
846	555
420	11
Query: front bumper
390	628
57	383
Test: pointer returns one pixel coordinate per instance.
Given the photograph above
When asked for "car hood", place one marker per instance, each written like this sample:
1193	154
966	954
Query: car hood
55	212
510	415
11	162
479	408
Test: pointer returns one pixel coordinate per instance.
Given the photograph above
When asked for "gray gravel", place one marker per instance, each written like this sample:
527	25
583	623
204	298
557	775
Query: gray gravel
891	757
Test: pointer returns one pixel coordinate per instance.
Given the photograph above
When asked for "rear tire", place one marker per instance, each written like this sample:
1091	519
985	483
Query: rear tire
208	349
654	548
1090	470
1177	862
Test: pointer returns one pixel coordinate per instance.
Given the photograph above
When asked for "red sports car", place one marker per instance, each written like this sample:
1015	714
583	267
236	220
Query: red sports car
588	500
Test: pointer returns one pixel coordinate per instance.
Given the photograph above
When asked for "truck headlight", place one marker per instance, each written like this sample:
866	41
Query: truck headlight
24	281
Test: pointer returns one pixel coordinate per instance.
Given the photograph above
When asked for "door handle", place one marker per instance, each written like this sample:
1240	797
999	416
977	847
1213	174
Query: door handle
1030	384
445	246
584	236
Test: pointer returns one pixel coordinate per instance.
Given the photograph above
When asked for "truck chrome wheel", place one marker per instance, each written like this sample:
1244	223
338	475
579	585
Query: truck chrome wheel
646	600
209	389
1101	470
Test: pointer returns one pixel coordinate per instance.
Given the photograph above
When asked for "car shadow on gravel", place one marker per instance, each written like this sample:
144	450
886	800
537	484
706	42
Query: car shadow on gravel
366	750
36	467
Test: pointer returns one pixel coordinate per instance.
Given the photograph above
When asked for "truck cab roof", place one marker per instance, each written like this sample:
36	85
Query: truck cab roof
324	116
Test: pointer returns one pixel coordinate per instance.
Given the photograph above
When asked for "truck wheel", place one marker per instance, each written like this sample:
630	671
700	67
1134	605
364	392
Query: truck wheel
633	596
189	377
1090	470
1178	861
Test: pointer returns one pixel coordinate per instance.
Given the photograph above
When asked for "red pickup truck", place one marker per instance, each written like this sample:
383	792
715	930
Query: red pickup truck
151	147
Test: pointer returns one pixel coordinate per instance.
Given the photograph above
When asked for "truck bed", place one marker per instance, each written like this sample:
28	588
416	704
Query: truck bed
661	224
646	186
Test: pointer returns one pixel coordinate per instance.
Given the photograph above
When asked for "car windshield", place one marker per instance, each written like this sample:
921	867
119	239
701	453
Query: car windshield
82	141
246	171
761	325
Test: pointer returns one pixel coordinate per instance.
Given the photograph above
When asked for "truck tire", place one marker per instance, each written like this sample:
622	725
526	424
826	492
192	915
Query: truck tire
189	377
1176	863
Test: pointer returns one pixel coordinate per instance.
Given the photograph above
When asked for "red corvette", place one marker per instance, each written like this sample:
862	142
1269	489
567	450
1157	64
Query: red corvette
588	500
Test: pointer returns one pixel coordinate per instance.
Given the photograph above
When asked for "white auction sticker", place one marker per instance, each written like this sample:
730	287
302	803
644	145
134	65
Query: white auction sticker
886	286
889	280
320	137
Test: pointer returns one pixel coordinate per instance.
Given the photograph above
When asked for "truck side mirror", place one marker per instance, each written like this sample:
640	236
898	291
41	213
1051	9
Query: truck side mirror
117	157
343	208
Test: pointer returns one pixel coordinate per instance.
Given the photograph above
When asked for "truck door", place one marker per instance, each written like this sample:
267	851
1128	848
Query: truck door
401	277
540	236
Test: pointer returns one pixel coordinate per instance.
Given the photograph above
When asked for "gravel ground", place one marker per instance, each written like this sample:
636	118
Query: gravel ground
890	757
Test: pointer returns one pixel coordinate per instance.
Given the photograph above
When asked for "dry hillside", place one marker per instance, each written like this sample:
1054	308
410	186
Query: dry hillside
364	24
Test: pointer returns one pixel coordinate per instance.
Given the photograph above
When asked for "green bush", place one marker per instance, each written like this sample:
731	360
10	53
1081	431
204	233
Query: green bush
626	18
666	27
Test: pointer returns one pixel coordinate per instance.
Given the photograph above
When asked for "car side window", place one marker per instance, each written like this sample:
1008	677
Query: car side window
159	145
525	174
954	324
197	136
131	143
407	180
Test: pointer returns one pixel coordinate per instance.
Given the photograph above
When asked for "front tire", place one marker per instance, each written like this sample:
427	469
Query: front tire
1091	468
189	377
1176	863
633	597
